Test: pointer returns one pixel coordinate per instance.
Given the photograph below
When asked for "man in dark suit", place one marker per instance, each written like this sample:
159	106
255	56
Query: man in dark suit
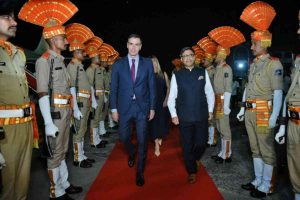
191	104
132	99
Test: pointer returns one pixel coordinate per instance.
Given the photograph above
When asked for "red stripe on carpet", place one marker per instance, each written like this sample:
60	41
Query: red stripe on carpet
165	176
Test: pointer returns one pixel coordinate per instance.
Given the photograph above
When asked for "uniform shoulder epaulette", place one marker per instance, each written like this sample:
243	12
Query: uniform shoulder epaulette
225	65
20	48
274	58
298	56
46	55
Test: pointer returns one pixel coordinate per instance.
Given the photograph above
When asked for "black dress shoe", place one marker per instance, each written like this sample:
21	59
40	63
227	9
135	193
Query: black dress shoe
73	189
114	127
100	145
258	194
82	164
221	160
105	142
106	135
90	160
211	145
140	181
248	186
131	161
63	197
214	157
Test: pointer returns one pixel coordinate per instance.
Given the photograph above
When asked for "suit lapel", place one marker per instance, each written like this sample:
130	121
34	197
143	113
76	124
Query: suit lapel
127	68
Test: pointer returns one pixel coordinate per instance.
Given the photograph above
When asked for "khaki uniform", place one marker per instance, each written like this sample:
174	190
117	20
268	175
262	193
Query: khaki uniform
61	86
96	79
76	71
106	83
16	147
265	76
293	134
222	83
57	168
212	133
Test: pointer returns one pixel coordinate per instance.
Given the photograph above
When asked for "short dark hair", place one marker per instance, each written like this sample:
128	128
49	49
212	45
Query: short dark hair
134	35
185	49
7	6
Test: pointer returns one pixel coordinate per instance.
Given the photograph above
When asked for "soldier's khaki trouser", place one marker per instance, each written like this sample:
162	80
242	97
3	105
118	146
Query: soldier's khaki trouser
104	111
81	125
60	143
95	121
223	127
293	154
262	145
16	149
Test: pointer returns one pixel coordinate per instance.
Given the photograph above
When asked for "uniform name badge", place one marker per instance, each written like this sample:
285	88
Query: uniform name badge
201	78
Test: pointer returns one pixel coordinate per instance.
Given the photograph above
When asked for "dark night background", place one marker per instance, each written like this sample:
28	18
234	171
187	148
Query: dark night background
167	26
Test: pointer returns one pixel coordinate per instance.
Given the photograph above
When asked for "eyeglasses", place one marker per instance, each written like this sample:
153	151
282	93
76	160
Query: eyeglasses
8	17
188	56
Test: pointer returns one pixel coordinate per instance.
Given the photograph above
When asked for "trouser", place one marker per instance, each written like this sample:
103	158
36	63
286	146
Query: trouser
16	149
96	120
103	115
134	114
81	127
262	145
193	139
293	154
223	127
60	143
212	132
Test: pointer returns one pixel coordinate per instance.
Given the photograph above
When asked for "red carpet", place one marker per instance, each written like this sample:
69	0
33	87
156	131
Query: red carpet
165	176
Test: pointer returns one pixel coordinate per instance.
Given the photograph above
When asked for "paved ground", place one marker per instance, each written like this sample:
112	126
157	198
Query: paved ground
227	177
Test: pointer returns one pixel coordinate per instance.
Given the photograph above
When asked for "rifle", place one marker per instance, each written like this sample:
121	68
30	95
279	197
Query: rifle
94	85
80	104
46	148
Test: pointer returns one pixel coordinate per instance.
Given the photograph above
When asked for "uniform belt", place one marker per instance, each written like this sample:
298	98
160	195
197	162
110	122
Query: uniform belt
100	92
61	101
25	112
83	95
107	91
294	114
251	104
14	114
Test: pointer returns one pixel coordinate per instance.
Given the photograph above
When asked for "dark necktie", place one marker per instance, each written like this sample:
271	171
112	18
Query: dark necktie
133	70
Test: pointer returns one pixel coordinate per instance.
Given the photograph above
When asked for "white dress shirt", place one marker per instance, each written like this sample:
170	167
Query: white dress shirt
209	92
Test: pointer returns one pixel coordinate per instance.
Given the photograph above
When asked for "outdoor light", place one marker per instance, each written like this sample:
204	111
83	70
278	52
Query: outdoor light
240	65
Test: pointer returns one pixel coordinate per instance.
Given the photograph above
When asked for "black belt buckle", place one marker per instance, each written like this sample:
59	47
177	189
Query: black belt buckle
294	115
26	112
2	133
249	105
80	104
55	115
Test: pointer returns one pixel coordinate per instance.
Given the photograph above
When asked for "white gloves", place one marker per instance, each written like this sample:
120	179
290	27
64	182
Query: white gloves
77	114
240	115
272	121
94	101
50	128
277	101
279	135
226	105
2	161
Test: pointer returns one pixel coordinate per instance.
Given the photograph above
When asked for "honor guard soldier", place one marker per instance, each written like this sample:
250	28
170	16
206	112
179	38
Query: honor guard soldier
53	88
77	35
226	37
209	47
292	103
96	79
105	51
16	113
262	99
